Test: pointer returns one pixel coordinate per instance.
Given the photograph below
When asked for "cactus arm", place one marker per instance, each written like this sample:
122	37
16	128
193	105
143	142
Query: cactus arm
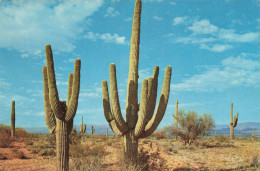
235	120
106	104
157	117
70	83
53	92
73	103
49	115
140	125
116	111
114	127
132	86
152	93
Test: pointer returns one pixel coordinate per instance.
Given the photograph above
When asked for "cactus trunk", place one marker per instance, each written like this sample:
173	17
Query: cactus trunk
231	123
130	146
62	145
176	119
13	119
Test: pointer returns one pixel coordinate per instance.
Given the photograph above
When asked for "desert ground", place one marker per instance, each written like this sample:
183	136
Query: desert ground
37	152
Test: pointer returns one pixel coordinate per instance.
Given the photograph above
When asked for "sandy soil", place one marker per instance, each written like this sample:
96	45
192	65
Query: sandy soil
163	154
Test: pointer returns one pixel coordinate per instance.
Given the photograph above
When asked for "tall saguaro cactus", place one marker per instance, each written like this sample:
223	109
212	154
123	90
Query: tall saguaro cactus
142	125
176	118
82	126
58	115
233	122
13	119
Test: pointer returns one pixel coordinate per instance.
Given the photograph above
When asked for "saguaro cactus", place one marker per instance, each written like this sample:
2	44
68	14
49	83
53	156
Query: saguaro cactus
176	118
13	119
233	123
82	126
63	123
92	130
135	126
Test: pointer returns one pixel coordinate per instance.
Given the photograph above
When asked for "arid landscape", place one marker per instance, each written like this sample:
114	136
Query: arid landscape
37	152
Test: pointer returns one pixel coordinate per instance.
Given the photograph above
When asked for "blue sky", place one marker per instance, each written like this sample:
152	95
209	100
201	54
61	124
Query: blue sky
213	47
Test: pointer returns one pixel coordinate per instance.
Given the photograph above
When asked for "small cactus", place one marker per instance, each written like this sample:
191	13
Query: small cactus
59	115
107	133
13	119
136	125
176	118
92	130
233	122
82	126
215	135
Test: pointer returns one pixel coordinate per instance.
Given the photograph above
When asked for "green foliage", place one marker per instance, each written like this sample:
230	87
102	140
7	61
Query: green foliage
193	126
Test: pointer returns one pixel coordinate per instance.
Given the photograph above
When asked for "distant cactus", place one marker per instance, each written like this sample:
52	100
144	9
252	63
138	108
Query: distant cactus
63	123
92	130
107	133
215	135
13	119
142	125
74	130
82	126
233	123
176	118
253	136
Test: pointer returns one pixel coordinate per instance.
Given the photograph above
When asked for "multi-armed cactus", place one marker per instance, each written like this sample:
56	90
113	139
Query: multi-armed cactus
233	122
135	126
13	119
82	126
63	123
92	130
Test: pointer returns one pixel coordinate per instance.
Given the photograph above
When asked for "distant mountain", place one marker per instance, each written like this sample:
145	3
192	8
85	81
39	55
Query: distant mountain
243	129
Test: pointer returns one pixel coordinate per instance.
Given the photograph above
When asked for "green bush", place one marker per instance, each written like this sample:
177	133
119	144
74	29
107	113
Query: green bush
193	126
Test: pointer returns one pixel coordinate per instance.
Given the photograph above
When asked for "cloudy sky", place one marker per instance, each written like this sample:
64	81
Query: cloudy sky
212	45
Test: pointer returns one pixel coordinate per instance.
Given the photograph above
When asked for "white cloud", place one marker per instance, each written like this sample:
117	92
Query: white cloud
231	36
27	26
111	12
173	3
128	19
179	20
203	33
107	37
203	27
4	83
216	47
233	72
157	18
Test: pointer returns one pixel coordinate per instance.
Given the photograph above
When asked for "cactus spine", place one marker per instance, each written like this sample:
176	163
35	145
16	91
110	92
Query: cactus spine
135	126
176	118
13	119
82	126
58	115
233	123
92	130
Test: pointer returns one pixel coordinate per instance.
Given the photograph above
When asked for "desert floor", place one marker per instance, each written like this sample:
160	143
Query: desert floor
100	153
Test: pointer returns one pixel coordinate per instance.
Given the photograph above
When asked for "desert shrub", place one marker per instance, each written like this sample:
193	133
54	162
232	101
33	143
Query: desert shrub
193	126
221	138
18	154
86	157
44	147
5	140
160	134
